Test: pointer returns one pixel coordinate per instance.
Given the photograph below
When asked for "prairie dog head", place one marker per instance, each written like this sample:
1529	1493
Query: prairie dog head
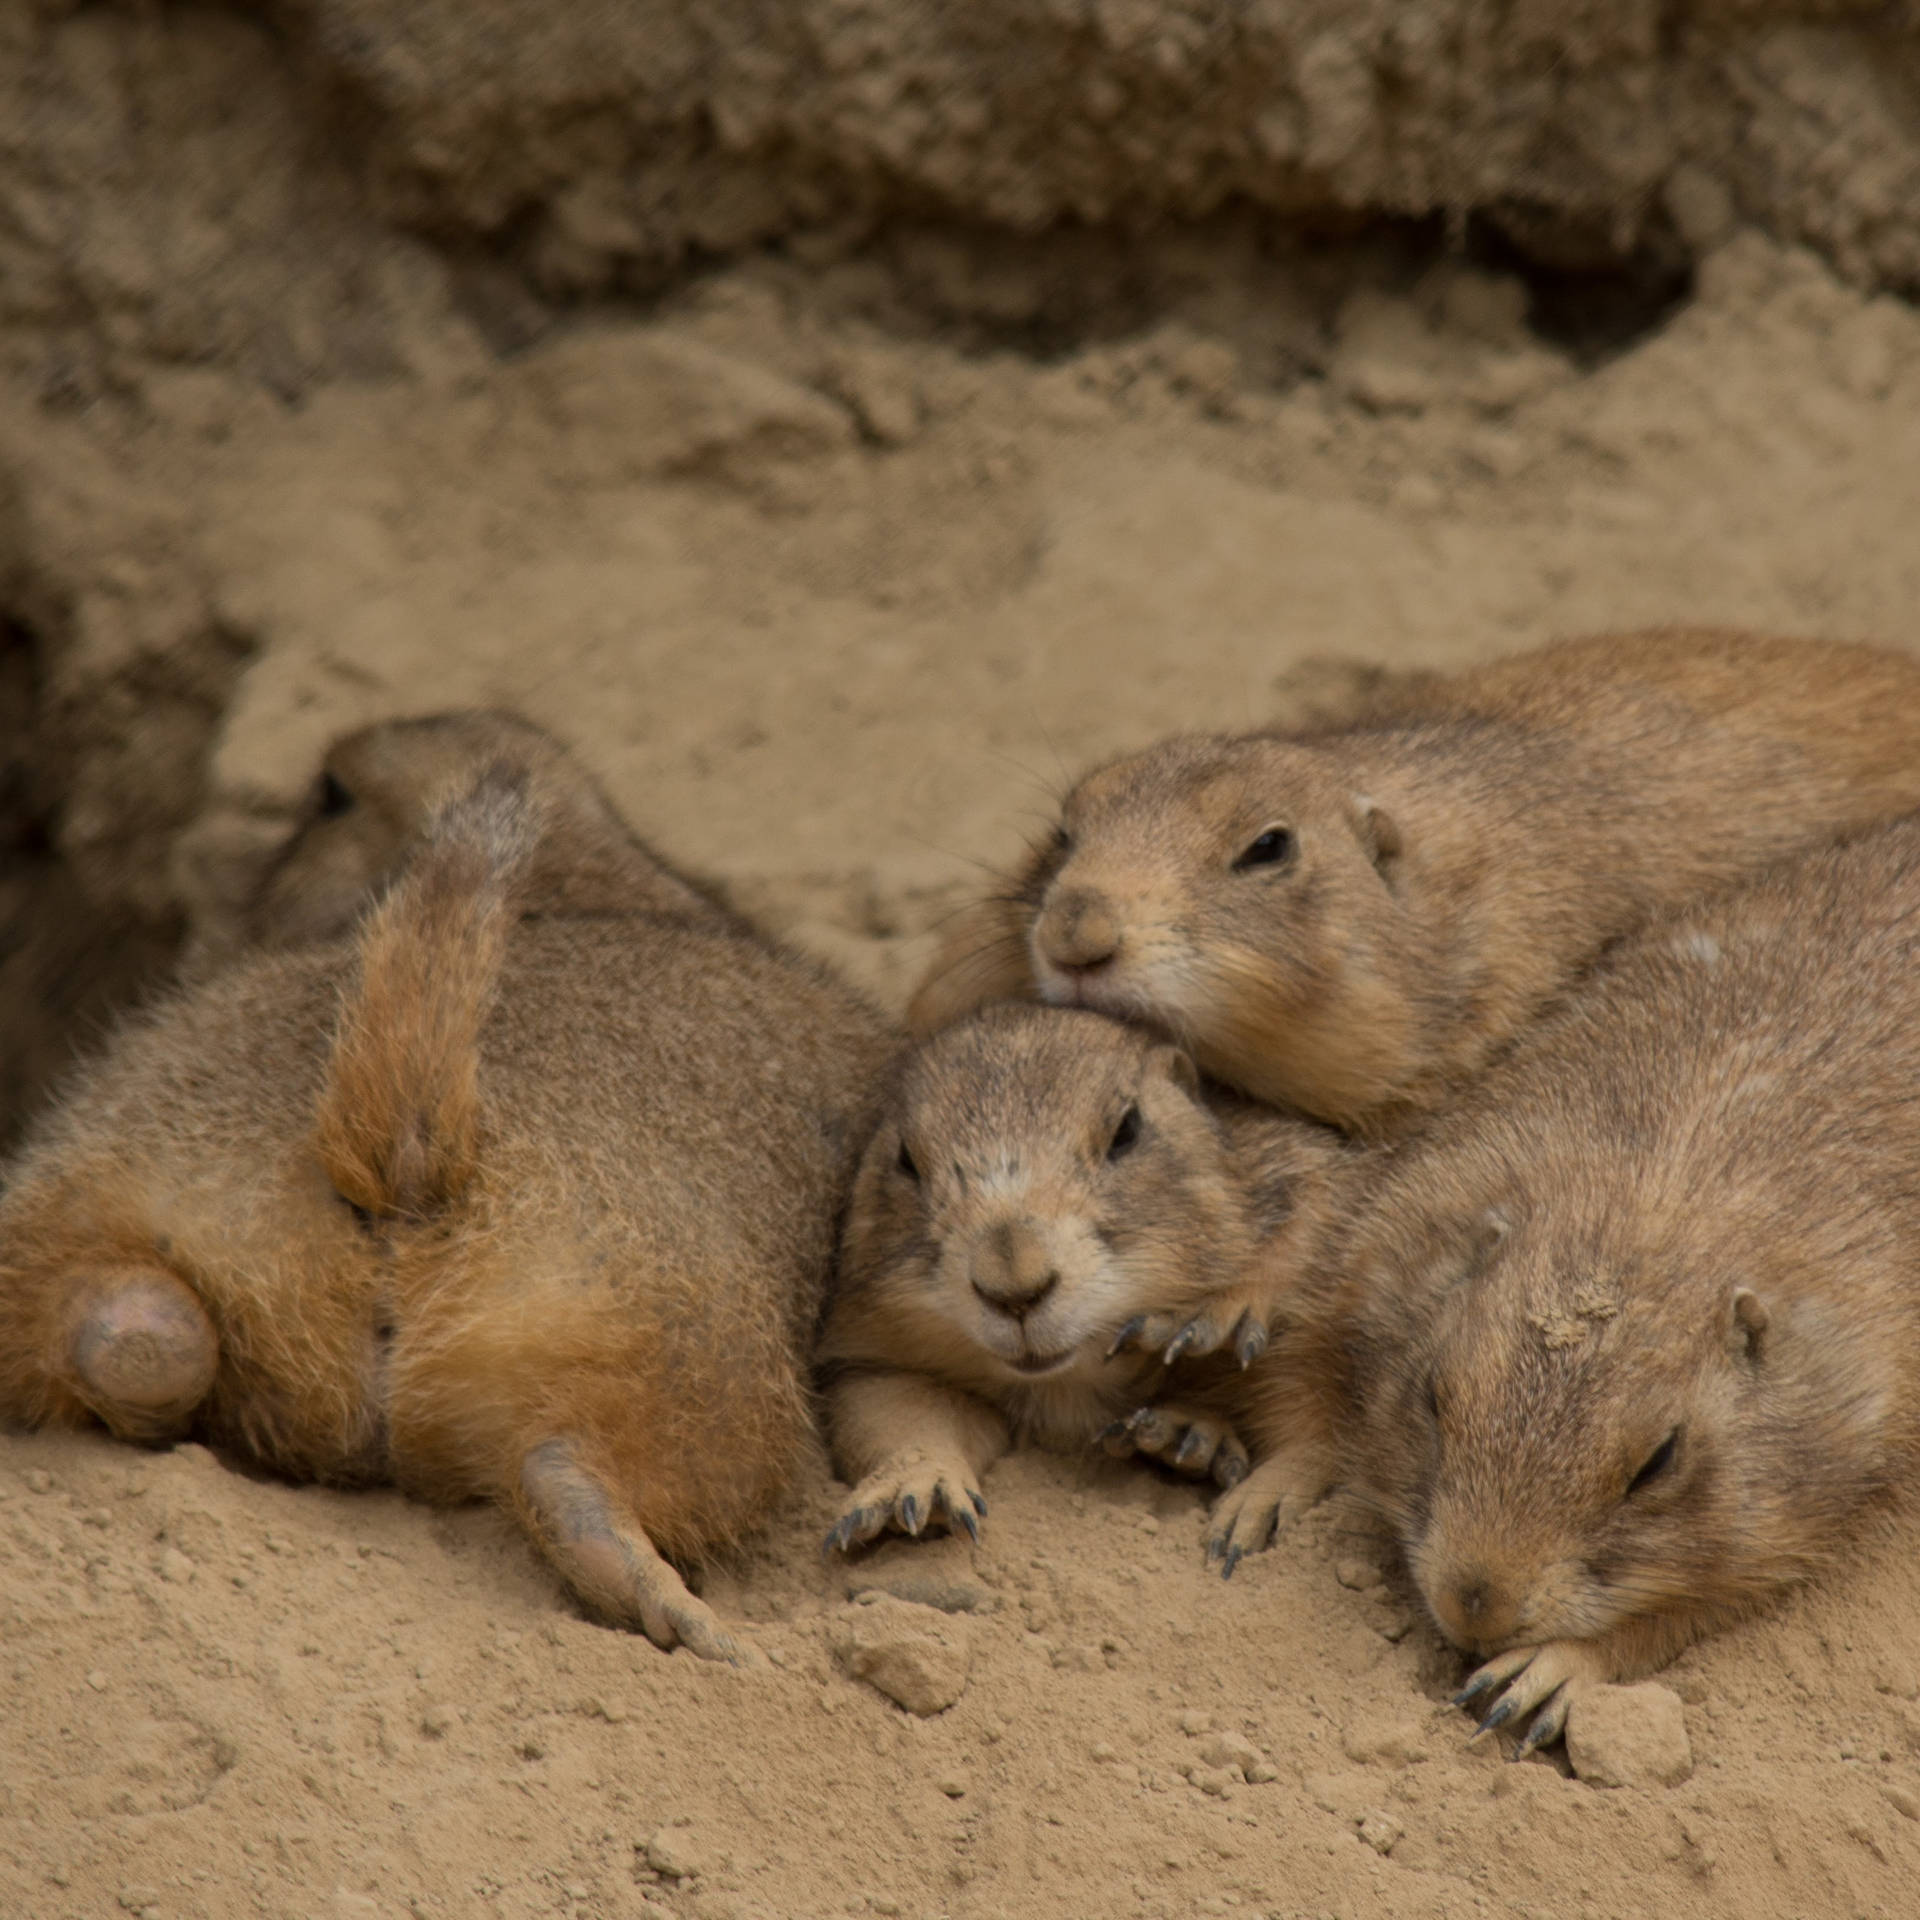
1038	1178
1570	1427
1239	893
379	788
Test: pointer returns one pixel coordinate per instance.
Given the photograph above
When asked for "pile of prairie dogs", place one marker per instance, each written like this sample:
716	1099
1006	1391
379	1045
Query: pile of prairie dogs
1498	1106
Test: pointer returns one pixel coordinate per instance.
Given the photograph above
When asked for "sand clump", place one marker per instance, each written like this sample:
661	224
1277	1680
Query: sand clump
876	541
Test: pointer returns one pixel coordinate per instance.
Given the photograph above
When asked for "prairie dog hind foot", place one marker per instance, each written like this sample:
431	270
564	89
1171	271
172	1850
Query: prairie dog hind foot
1188	1440
604	1555
140	1351
909	1494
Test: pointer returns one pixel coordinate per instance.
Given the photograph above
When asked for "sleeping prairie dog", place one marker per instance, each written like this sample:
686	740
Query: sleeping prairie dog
1353	921
1049	1213
1623	1344
462	1202
378	788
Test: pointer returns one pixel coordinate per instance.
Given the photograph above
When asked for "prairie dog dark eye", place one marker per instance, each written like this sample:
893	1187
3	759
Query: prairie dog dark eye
1658	1462
1274	848
334	798
905	1164
1125	1134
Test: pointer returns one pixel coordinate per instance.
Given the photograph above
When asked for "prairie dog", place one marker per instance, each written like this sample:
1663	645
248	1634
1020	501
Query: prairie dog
486	1205
377	789
1049	1211
1353	921
1623	1344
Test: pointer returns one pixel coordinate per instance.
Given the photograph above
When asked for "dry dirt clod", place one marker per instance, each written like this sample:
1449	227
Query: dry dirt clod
1630	1737
918	1657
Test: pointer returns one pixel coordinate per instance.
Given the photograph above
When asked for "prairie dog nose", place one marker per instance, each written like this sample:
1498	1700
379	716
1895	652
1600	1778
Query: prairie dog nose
1011	1269
1078	928
1475	1608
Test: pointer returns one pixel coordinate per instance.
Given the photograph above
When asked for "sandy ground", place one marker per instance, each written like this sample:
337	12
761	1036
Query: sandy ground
834	608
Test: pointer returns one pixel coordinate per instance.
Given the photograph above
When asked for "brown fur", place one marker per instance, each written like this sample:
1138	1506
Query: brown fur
1049	1185
1454	861
1686	1209
589	1168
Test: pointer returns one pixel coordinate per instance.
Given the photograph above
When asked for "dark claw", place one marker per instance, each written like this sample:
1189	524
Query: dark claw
1192	1447
979	1503
1229	1470
1481	1683
910	1513
965	1519
1544	1731
1216	1549
1181	1341
1117	1430
1501	1714
1234	1556
1249	1339
1128	1335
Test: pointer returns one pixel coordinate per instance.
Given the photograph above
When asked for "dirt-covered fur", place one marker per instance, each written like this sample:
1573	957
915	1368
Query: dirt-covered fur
482	1202
1624	1343
1053	1211
1353	921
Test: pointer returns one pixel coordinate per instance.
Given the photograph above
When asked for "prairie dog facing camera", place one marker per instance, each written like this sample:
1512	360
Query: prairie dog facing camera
461	1203
1353	921
1050	1210
1625	1343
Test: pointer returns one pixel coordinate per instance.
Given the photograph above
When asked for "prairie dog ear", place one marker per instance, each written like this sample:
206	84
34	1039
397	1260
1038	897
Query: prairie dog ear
1379	834
1177	1064
1748	1321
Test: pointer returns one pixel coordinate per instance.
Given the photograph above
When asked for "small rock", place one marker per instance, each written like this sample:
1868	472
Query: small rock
1381	1831
38	1480
669	1853
1629	1737
97	1681
917	1656
135	1898
952	1786
176	1568
1902	1802
1259	1772
1392	1743
1216	1781
437	1721
1194	1724
1229	1750
1359	1575
1100	1751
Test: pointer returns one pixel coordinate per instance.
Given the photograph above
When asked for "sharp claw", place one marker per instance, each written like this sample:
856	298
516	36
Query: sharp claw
1234	1556
1544	1731
1181	1341
1193	1445
910	1513
1216	1549
1128	1335
1229	1470
1138	1418
1503	1711
1249	1339
979	1503
1481	1684
965	1519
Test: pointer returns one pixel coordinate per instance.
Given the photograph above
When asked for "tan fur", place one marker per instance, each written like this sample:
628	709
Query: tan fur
1455	860
1011	1224
1685	1209
598	1157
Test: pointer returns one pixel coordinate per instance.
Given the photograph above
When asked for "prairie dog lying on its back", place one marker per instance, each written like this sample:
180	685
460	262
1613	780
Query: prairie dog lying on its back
1049	1193
463	1201
1354	921
1624	1343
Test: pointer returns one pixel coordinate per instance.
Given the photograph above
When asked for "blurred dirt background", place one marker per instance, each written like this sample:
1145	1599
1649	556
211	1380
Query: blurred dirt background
844	419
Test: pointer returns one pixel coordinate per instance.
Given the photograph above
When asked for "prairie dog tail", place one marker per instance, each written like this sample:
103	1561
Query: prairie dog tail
400	1108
